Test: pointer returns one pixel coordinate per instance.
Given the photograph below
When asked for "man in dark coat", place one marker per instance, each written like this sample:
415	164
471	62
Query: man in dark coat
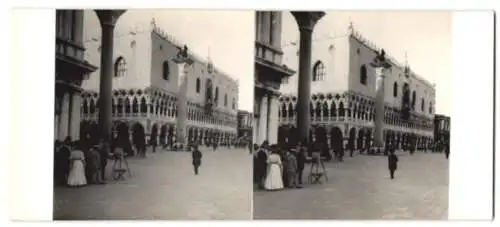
284	162
261	166
197	155
301	161
392	160
104	152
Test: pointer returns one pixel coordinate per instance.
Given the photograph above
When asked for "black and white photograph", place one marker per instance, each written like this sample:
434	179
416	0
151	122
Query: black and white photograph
352	115
283	112
152	115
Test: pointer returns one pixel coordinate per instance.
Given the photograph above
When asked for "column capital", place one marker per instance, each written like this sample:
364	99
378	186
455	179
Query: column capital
306	20
109	17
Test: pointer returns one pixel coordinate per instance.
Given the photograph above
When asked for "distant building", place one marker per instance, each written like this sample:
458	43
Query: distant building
71	70
145	86
442	129
269	73
245	125
342	106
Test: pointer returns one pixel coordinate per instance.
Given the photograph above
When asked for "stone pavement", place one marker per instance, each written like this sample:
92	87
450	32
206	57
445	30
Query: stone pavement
164	186
360	188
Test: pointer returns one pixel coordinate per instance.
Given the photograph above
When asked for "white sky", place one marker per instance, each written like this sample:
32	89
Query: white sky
231	44
425	35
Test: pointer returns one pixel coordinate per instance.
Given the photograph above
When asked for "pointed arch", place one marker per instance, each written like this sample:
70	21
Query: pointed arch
283	110
119	106
325	109
144	106
85	107
92	106
127	105
135	105
318	109
333	109
291	110
341	109
422	105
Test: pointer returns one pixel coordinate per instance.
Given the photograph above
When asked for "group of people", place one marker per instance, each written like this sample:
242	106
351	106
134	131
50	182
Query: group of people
77	164
276	168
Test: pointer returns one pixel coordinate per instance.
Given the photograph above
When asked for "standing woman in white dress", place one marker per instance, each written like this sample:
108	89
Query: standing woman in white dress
274	181
76	177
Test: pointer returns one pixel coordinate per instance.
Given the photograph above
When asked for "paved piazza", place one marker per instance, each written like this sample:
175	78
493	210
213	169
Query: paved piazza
360	188
163	186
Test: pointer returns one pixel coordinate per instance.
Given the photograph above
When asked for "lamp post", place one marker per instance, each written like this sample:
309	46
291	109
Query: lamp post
184	62
381	67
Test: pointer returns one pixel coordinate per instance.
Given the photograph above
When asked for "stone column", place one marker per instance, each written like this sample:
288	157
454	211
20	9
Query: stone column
255	130
267	26
262	134
182	105
273	121
56	127
64	117
379	108
76	103
79	16
306	22
108	20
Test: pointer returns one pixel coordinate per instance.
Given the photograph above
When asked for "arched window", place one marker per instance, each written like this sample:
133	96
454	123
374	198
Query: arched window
290	110
92	106
225	100
430	107
413	99
341	110
85	107
234	103
113	106
325	109
166	70
135	105
120	67
216	95
283	110
198	84
422	108
395	90
120	106
333	110
318	71
127	105
318	109
144	106
362	75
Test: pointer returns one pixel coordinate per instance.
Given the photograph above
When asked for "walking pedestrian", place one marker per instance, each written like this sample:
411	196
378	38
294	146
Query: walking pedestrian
392	160
197	155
